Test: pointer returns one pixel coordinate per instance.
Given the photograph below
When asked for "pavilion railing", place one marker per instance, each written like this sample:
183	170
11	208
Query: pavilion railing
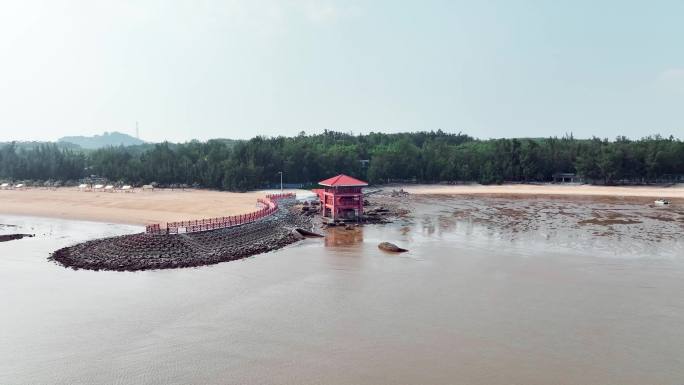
269	205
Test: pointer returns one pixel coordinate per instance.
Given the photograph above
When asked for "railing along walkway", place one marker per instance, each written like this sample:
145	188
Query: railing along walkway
269	206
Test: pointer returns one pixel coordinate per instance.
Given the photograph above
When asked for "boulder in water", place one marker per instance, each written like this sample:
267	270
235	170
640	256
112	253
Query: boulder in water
12	237
391	247
297	235
307	233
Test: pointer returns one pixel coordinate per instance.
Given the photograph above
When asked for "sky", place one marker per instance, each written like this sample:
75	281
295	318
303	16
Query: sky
205	69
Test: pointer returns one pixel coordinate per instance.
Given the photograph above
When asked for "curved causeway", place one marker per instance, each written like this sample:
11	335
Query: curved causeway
146	251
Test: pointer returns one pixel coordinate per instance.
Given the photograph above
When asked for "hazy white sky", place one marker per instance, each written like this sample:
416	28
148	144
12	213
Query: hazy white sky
203	69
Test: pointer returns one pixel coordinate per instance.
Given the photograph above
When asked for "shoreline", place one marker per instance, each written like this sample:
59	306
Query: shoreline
147	207
674	192
68	219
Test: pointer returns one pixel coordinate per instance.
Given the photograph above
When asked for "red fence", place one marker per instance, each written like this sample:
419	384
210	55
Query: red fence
269	206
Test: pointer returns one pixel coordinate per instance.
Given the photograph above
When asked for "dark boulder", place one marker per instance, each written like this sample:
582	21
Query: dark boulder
12	237
307	233
391	247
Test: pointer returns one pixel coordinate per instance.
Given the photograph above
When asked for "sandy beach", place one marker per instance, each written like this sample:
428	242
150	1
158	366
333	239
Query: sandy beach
137	208
674	192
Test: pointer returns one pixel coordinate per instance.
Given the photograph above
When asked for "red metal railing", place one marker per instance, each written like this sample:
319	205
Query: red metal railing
269	206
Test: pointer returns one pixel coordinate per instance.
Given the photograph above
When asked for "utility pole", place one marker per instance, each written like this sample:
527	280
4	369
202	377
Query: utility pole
281	181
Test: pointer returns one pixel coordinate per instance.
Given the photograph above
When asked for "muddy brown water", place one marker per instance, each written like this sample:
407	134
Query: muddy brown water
492	291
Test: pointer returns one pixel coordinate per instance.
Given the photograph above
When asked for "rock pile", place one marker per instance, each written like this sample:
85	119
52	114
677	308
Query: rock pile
377	215
399	193
310	208
164	251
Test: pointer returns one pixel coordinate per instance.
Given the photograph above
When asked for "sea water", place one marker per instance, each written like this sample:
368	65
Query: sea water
492	291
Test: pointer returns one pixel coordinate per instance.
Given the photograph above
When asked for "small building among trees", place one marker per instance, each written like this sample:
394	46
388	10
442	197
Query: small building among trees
566	177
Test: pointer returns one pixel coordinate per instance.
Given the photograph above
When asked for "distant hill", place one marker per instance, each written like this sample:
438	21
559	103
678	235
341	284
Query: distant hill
25	145
105	140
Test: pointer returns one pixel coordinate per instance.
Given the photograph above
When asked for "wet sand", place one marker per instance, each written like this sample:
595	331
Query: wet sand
674	192
136	208
561	223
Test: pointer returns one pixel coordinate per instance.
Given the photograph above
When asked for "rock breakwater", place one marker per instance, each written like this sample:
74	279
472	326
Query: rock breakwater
165	251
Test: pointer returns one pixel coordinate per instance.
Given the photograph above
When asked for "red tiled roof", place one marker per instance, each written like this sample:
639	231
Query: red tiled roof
342	181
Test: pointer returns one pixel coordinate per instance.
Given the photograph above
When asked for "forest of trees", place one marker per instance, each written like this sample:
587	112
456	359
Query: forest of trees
421	156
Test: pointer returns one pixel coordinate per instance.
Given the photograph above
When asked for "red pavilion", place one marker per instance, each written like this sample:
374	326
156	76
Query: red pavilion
341	198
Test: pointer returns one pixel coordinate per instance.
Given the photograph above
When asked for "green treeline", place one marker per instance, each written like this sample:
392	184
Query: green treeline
421	156
41	162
